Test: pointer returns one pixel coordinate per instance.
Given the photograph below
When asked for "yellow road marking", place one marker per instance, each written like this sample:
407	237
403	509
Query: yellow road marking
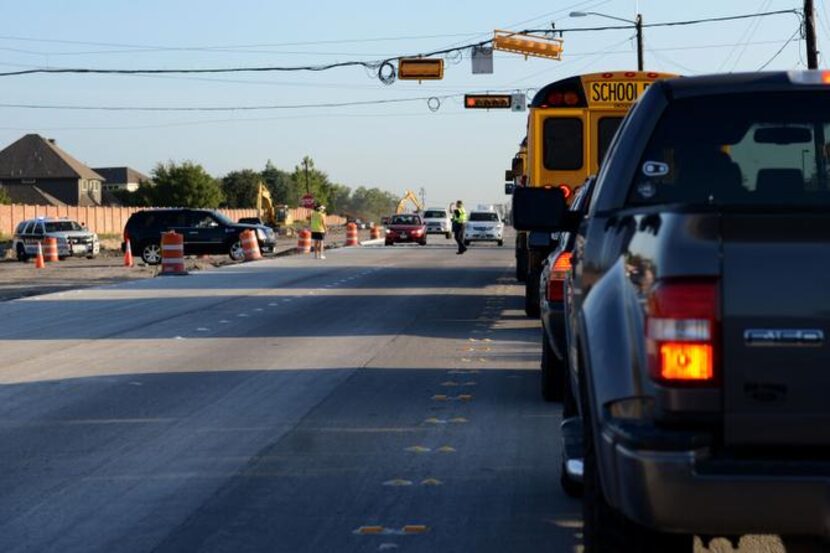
431	482
418	449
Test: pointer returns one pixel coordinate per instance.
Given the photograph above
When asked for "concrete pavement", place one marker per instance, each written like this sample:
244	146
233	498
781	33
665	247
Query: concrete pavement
385	399
283	406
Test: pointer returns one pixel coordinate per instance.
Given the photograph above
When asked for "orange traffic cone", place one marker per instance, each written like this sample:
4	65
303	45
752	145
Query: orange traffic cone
128	255
39	262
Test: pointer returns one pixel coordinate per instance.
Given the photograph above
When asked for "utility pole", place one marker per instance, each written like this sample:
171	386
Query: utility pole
810	34
305	165
639	24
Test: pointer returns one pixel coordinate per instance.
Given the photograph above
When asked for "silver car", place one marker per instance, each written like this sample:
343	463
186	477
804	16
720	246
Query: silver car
73	239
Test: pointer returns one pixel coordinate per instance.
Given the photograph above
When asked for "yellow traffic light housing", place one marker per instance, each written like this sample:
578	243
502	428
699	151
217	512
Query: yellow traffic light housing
421	69
528	45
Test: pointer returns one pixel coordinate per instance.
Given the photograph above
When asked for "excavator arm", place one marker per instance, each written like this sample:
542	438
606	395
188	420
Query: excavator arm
409	196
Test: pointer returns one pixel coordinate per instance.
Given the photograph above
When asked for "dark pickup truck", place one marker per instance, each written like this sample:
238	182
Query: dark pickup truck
698	309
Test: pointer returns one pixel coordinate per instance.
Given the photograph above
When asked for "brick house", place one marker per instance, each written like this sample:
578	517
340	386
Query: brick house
34	170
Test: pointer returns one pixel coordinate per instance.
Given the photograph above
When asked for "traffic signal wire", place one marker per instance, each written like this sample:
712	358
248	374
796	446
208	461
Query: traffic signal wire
384	69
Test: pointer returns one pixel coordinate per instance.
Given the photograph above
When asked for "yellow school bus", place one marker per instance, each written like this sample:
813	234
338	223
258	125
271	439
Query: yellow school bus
570	125
573	121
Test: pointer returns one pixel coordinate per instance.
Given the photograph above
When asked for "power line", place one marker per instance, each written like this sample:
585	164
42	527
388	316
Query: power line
783	46
378	65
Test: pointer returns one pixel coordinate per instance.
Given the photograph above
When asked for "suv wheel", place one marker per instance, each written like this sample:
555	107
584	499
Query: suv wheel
553	381
21	253
151	254
448	235
236	252
608	531
501	242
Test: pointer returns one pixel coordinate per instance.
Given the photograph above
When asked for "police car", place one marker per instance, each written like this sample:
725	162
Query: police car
73	239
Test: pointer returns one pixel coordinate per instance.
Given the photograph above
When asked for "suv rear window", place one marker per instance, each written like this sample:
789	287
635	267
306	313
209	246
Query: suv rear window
739	149
563	138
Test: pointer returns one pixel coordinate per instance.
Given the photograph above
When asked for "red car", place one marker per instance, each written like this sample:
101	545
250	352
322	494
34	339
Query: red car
406	227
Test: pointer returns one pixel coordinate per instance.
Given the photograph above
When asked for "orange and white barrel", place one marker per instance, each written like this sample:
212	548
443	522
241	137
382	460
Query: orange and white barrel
250	245
50	249
351	235
172	254
374	234
304	241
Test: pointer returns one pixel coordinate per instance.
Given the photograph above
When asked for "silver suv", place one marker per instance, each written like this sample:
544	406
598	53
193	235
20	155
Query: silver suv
73	239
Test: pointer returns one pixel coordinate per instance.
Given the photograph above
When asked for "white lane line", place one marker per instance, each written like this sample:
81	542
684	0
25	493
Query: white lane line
224	322
202	329
259	309
243	315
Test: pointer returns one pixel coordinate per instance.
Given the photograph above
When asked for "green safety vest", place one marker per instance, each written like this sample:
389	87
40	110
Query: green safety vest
318	222
461	218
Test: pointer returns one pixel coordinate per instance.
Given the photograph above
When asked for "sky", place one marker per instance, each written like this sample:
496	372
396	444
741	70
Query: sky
450	153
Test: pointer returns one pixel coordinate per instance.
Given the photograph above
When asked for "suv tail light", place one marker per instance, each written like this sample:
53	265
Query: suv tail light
682	331
558	273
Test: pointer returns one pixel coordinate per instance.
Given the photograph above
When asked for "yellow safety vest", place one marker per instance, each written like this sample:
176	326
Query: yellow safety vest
461	217
318	222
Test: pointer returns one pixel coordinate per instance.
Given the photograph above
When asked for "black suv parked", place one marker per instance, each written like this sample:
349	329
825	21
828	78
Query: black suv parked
205	232
699	362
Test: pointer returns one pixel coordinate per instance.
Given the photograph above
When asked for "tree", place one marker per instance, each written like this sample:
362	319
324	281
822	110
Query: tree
372	203
308	178
186	185
340	199
280	183
4	197
241	188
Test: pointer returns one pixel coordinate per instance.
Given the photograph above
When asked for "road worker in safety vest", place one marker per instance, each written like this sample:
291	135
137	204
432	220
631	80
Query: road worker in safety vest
318	230
459	225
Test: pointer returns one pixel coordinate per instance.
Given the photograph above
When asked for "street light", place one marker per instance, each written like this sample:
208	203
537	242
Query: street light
637	23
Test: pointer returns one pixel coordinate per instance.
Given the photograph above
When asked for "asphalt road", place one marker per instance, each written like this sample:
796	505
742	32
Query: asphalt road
385	399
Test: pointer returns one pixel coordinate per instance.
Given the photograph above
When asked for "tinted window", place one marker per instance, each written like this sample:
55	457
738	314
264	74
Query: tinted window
563	138
606	129
38	228
221	218
62	226
740	149
479	216
435	215
201	219
20	227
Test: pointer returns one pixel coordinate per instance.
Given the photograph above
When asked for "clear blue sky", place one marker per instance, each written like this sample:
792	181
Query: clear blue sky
451	153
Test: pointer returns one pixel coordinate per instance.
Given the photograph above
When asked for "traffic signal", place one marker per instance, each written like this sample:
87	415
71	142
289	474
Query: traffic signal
488	101
528	45
421	69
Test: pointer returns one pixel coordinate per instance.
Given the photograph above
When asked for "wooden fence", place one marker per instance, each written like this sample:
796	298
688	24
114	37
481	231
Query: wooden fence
111	220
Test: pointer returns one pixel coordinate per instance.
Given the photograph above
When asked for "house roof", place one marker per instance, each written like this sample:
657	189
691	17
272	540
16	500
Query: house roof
115	175
36	157
30	195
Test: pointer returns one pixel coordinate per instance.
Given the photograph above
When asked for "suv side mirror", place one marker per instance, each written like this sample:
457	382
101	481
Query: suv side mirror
509	187
508	175
540	210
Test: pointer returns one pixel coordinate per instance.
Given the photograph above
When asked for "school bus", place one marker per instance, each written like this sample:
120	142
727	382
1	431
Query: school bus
571	123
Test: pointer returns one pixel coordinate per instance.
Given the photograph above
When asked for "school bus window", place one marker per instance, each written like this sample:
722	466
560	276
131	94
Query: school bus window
606	129
563	138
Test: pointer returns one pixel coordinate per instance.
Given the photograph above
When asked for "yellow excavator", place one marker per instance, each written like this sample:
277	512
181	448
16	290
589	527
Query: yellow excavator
277	217
409	196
